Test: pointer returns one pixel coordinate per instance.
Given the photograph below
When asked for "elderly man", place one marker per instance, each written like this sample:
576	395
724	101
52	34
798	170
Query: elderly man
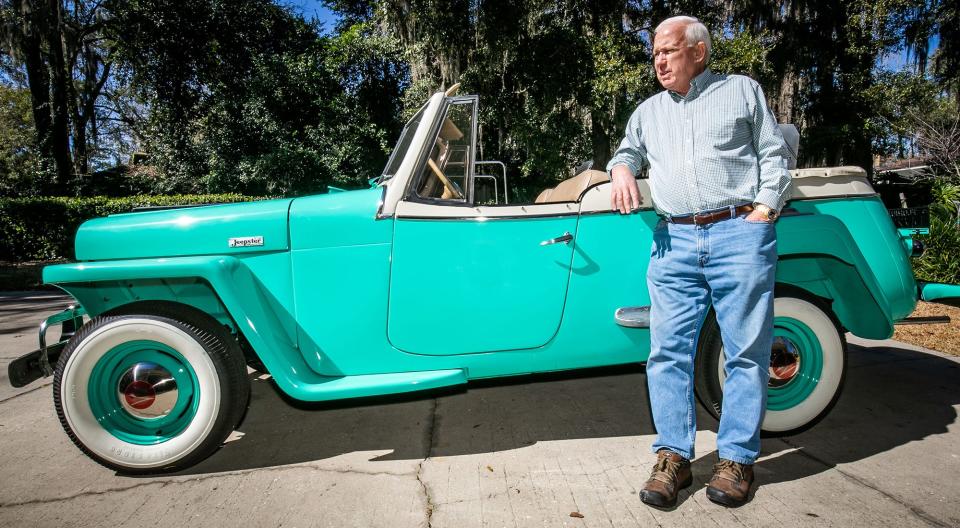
718	179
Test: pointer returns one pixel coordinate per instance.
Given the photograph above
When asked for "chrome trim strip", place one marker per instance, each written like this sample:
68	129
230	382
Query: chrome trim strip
487	218
594	213
832	196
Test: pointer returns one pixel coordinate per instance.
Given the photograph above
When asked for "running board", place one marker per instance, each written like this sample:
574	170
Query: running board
379	384
948	294
934	319
633	316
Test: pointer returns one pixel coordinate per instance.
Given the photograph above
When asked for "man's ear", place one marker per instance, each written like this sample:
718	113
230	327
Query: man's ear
700	52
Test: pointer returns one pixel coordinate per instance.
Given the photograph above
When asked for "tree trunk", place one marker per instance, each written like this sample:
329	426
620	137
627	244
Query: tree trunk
58	91
783	104
38	80
599	137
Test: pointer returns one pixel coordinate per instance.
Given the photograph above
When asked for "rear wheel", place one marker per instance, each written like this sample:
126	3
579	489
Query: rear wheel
807	365
155	390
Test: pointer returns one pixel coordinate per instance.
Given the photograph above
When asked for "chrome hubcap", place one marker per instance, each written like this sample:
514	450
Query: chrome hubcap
147	390
784	361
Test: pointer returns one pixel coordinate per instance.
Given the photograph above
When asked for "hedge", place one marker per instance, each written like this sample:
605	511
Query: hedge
44	228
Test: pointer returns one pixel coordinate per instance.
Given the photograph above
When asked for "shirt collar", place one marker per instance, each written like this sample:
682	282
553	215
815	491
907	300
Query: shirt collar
697	85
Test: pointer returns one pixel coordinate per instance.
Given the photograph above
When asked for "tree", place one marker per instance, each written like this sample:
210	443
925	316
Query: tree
938	140
18	158
248	97
922	22
59	45
557	80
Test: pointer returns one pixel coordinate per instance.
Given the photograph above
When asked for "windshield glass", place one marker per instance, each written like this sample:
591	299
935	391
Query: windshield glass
400	149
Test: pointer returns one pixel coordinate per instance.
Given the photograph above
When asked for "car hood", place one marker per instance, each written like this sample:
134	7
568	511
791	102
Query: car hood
208	230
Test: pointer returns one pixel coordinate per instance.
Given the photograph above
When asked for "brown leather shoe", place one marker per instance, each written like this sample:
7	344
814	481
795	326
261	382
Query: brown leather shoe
731	483
670	474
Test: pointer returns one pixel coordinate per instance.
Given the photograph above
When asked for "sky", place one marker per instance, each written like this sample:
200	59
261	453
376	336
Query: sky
313	9
901	59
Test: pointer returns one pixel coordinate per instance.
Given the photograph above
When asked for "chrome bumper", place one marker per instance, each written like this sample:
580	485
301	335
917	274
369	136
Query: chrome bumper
37	364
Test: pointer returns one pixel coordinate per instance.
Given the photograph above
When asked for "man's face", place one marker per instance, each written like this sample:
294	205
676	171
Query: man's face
676	63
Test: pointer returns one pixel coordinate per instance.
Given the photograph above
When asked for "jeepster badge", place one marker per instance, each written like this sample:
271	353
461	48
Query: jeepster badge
245	241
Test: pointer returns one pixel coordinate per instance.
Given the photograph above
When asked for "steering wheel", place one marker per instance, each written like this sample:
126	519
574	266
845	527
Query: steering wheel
449	189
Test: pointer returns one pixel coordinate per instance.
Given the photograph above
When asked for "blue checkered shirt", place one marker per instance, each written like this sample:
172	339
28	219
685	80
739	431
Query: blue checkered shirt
717	146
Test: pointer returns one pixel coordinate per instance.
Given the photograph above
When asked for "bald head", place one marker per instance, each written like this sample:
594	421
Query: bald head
681	48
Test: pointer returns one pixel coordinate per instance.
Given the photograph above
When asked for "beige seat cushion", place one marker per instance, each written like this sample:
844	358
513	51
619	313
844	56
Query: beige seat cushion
544	196
569	190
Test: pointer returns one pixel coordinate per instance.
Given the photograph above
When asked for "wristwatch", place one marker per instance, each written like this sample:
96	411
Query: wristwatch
767	211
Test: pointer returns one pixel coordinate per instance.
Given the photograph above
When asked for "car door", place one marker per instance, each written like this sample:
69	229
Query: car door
468	279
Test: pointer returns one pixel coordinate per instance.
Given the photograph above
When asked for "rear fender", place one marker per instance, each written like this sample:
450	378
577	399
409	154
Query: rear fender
817	254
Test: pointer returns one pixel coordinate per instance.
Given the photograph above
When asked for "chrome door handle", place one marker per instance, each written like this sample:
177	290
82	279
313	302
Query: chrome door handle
565	238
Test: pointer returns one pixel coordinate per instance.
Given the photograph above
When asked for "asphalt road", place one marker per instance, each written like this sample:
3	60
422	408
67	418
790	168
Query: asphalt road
523	452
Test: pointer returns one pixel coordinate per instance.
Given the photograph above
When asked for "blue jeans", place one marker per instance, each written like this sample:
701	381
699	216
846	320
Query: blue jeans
730	264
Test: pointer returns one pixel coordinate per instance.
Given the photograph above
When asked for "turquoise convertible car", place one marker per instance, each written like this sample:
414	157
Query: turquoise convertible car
428	279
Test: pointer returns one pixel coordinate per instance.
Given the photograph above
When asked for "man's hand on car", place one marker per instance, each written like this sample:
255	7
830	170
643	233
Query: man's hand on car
625	195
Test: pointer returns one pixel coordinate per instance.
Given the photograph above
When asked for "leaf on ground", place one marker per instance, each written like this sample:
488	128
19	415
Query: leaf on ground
576	515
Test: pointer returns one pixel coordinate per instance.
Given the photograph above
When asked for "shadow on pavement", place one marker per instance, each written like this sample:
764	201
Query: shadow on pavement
892	397
490	415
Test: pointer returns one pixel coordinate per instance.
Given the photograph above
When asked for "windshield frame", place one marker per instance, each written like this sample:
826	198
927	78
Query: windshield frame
407	135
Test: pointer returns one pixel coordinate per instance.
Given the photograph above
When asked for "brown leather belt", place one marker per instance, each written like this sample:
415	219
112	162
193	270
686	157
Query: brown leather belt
709	218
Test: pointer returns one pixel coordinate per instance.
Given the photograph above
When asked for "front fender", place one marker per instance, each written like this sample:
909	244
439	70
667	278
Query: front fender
232	285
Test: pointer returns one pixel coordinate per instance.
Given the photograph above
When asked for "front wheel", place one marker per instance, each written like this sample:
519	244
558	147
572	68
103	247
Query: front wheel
149	392
807	365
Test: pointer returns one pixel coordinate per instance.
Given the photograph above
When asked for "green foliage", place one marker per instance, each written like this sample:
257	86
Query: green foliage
19	167
895	98
556	80
941	260
43	228
247	97
744	53
945	201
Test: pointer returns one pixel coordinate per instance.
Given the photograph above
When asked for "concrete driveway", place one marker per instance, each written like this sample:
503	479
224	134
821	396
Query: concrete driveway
522	452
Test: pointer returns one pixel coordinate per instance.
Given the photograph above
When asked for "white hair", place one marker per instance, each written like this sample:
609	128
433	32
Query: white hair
694	32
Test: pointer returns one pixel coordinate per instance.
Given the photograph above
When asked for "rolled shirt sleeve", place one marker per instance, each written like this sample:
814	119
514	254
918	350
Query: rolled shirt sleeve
775	181
632	151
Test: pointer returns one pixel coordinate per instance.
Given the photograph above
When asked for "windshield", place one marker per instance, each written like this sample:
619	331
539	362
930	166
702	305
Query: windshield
400	149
